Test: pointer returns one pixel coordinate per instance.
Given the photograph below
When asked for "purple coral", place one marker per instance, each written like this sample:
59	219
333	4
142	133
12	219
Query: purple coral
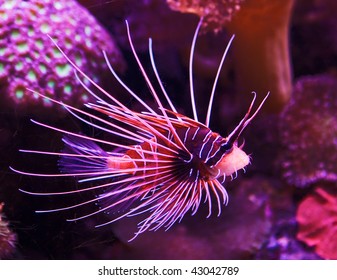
309	132
29	59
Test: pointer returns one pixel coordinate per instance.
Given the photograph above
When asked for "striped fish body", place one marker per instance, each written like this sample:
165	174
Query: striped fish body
205	146
173	164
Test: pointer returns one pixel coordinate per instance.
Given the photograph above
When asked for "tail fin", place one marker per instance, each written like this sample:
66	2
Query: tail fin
82	156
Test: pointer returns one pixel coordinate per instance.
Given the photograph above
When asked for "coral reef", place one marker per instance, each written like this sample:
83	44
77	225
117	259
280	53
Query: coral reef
317	218
270	215
29	59
308	131
282	243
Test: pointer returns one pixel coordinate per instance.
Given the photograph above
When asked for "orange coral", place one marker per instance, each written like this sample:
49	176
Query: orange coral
215	13
261	47
317	218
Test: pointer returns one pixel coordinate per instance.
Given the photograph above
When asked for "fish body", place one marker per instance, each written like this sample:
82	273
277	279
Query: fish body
174	164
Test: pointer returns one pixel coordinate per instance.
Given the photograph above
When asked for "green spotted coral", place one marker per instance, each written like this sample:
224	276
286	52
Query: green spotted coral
29	59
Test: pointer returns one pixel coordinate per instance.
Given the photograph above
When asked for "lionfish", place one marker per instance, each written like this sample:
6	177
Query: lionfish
175	164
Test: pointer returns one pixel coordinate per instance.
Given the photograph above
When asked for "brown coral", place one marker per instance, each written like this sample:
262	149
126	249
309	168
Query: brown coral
308	130
261	50
29	59
317	218
313	29
261	47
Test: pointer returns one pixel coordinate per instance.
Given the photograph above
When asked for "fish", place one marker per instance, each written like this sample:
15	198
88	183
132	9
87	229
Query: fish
174	165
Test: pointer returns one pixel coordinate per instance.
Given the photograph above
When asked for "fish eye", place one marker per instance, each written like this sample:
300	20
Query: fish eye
226	147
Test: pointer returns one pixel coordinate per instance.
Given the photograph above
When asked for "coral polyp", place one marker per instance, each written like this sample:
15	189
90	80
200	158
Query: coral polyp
28	59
